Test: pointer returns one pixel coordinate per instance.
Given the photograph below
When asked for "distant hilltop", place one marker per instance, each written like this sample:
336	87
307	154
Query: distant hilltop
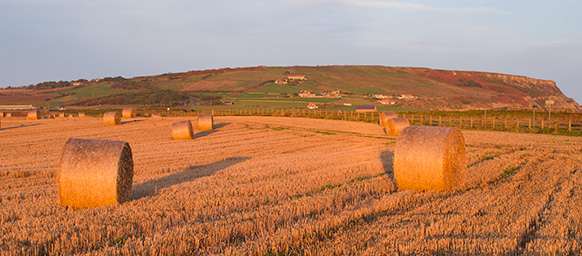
399	87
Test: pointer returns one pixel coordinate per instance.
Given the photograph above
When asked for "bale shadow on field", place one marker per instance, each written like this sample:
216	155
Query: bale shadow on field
19	126
132	121
190	173
208	132
387	158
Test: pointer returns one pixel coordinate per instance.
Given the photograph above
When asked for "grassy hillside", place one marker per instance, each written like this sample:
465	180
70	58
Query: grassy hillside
255	86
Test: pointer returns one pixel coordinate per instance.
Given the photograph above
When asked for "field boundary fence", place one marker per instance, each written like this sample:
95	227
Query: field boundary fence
491	123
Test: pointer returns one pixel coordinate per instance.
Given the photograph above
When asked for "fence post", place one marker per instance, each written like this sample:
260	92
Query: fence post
460	121
505	124
440	121
570	126
517	125
430	120
471	122
530	125
493	124
421	119
542	125
556	127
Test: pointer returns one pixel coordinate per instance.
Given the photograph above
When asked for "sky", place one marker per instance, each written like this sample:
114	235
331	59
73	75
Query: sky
54	40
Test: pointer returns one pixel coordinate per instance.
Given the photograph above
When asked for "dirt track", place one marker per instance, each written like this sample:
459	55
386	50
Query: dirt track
258	185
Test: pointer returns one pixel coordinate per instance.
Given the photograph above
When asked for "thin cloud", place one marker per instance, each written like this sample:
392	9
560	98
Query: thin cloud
409	6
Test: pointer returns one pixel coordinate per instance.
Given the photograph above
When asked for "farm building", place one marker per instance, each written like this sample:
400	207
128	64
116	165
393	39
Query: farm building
387	101
296	77
312	106
366	108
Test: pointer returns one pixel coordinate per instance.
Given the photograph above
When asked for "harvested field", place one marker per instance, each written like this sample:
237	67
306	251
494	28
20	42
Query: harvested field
261	185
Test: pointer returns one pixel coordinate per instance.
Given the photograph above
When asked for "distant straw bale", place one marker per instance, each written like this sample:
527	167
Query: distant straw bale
430	158
2	114
205	122
384	116
395	125
8	114
81	114
128	113
95	173
32	115
112	118
62	115
182	130
155	115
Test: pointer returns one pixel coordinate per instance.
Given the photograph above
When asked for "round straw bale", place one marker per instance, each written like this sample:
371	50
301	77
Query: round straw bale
205	122
81	114
182	130
384	116
112	118
128	113
430	158
2	114
62	115
32	115
8	114
395	125
155	115
95	173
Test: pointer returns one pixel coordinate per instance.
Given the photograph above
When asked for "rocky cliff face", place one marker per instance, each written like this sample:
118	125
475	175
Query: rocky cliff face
519	92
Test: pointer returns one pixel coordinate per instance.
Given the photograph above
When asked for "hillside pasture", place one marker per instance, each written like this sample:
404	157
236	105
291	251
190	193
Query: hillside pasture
278	185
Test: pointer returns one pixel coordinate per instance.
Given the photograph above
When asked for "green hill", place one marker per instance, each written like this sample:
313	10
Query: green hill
275	87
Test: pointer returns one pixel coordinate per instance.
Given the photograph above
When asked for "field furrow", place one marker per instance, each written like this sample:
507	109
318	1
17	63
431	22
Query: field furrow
273	185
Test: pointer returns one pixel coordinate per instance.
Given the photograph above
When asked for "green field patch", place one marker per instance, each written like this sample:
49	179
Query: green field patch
96	90
278	88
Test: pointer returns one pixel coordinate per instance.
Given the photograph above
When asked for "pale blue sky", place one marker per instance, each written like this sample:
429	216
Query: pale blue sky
52	40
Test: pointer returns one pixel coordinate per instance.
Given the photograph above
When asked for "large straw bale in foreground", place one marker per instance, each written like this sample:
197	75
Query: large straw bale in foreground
32	115
95	173
395	125
128	113
430	158
182	130
205	122
384	116
111	118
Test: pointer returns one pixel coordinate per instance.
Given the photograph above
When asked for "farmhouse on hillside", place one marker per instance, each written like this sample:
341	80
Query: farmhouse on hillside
296	77
387	102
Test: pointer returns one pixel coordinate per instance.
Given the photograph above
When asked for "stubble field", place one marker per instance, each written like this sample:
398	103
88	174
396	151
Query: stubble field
271	185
